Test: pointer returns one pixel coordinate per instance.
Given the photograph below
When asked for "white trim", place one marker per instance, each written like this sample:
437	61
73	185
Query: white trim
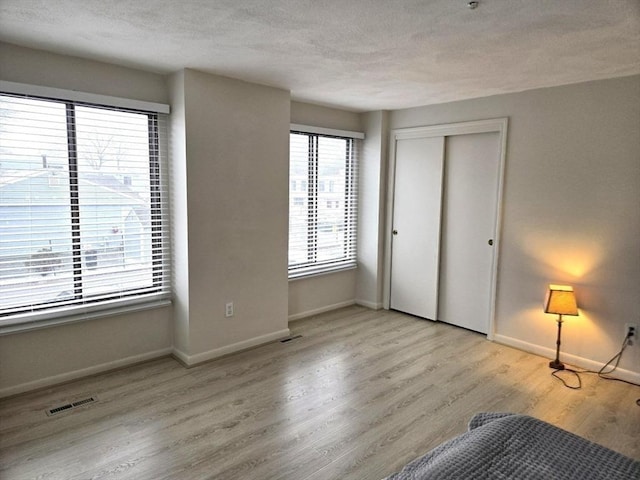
74	95
449	129
326	131
191	360
498	125
54	318
317	311
182	357
368	304
550	353
317	272
84	372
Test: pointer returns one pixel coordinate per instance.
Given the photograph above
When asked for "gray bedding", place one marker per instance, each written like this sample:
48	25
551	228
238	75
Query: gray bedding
506	446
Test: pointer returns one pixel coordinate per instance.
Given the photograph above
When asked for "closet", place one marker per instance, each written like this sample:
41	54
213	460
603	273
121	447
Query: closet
443	220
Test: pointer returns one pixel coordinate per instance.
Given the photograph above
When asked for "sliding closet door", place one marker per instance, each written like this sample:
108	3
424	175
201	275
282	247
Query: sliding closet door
445	193
468	228
415	238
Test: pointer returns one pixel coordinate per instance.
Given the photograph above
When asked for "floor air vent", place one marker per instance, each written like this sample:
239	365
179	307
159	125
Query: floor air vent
61	408
285	340
84	402
69	406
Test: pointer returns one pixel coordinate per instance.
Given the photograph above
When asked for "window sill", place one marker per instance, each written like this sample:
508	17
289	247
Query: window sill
319	273
31	322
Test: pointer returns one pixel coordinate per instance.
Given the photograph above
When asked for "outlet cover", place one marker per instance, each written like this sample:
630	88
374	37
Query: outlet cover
634	339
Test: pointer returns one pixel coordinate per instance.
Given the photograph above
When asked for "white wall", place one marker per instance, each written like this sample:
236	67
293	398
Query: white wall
371	210
311	295
571	213
236	146
229	177
37	67
43	357
53	355
179	213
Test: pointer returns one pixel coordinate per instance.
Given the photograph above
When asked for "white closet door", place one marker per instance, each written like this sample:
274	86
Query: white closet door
415	241
468	229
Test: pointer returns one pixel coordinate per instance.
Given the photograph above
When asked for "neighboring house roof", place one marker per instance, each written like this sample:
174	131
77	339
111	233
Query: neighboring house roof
26	187
9	177
112	183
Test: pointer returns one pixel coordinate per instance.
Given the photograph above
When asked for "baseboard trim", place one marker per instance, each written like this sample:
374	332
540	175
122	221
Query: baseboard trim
317	311
568	358
83	372
192	360
368	304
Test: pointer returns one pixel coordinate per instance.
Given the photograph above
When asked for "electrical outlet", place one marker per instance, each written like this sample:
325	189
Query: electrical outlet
631	331
228	309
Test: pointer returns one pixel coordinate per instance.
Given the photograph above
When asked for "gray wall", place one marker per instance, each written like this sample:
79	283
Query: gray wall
229	176
371	210
571	215
236	144
317	294
52	355
37	67
571	212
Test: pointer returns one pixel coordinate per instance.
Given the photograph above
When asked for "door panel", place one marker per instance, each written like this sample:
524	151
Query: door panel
416	219
468	223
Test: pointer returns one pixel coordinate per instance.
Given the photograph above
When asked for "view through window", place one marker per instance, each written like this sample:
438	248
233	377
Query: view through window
80	205
322	203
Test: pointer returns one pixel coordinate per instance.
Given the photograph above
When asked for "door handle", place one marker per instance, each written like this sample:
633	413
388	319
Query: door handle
490	242
395	232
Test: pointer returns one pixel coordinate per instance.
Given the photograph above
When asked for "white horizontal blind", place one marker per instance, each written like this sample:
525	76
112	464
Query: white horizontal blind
322	203
83	198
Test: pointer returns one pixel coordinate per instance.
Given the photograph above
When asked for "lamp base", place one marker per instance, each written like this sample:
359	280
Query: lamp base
556	365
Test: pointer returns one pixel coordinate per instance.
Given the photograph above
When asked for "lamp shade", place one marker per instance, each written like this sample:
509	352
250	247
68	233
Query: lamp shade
561	300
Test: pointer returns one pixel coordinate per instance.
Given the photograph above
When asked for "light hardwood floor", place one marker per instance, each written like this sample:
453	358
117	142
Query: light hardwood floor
357	396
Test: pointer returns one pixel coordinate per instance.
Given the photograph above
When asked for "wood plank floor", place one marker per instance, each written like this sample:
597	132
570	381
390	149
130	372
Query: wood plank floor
357	396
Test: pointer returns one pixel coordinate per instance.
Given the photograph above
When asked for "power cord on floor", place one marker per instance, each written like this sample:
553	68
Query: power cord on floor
601	373
573	387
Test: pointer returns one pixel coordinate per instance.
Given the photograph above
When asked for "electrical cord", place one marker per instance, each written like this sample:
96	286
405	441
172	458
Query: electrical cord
601	373
616	357
573	387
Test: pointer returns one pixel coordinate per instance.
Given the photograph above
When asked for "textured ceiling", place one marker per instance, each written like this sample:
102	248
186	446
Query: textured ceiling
356	54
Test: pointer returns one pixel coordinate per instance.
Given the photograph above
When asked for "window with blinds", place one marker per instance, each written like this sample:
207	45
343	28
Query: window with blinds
322	203
82	208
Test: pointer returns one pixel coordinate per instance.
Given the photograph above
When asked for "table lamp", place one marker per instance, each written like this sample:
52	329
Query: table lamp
561	301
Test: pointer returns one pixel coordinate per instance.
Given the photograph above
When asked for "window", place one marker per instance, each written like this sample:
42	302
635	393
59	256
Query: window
322	231
82	208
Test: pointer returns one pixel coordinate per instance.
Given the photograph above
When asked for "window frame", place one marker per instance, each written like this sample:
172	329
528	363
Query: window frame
314	181
159	295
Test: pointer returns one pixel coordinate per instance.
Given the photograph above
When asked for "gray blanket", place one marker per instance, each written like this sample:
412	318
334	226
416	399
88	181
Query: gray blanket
506	446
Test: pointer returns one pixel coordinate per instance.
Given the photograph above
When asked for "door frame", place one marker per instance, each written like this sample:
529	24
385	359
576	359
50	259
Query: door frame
498	125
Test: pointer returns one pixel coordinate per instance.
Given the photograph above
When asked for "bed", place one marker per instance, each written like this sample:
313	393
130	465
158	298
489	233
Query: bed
509	446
